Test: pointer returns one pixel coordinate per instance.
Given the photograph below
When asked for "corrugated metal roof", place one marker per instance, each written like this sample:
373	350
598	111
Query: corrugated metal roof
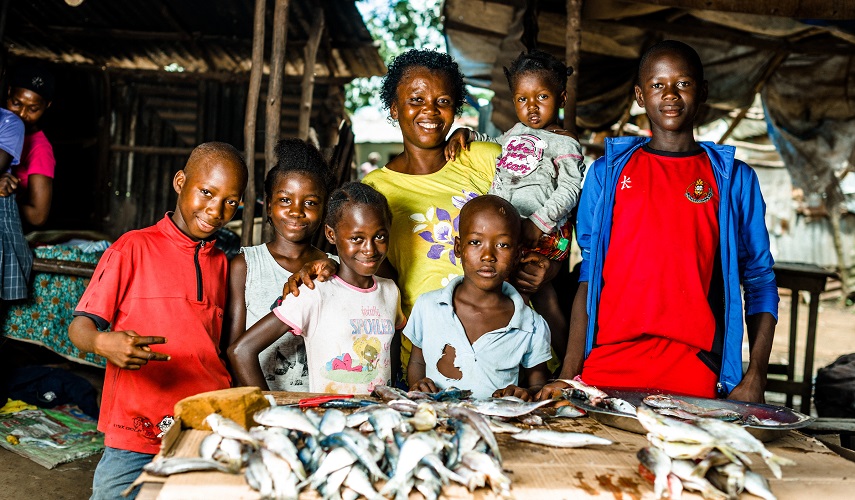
200	36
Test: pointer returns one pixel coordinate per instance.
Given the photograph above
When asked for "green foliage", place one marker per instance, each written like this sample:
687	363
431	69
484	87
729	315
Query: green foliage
397	25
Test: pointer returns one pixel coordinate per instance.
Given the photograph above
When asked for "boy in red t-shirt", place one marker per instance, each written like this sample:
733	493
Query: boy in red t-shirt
163	285
670	228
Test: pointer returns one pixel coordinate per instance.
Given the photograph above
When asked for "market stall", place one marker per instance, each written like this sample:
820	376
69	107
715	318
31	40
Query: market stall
543	472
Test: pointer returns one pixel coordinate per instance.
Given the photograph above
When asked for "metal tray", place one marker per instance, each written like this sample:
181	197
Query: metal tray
789	419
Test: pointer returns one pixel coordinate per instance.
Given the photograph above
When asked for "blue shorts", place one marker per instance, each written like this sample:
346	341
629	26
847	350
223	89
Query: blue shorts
116	471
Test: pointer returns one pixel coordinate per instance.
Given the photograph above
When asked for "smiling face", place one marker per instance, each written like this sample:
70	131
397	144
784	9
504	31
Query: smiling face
297	206
537	100
424	107
361	238
488	245
671	92
28	105
209	192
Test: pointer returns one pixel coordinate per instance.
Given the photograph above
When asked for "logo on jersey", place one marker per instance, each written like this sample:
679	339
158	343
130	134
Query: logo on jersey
699	191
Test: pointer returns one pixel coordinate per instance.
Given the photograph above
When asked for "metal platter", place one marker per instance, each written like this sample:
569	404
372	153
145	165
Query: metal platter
788	418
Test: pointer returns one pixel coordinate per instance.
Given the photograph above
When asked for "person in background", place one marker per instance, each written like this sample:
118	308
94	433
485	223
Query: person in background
670	231
166	282
16	259
350	321
296	191
370	165
477	333
539	171
31	90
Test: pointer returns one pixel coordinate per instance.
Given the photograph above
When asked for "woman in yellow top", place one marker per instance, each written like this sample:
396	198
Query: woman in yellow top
423	91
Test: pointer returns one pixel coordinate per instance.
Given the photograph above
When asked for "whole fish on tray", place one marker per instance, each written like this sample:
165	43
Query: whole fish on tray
560	439
180	465
665	402
505	408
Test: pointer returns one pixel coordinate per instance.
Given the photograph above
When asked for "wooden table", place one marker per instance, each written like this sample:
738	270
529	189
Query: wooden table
543	473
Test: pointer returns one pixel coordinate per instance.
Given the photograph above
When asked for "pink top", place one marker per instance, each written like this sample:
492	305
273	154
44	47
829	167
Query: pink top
36	158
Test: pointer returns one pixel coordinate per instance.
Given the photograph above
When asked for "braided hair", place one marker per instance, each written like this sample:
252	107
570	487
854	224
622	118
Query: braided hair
538	61
296	155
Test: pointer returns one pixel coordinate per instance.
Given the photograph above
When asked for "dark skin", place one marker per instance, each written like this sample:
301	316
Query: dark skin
361	239
671	92
424	109
296	209
209	191
488	248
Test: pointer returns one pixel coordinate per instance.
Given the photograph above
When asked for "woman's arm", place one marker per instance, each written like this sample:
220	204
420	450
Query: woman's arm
235	321
35	204
243	354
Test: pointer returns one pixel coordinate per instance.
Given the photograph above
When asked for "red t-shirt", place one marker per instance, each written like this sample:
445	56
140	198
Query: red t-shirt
654	312
36	158
147	282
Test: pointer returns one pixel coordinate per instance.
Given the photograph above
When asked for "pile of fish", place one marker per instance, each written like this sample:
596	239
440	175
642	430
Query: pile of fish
410	441
707	455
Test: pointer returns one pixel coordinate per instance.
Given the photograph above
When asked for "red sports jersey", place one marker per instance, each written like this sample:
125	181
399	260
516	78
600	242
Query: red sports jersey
654	314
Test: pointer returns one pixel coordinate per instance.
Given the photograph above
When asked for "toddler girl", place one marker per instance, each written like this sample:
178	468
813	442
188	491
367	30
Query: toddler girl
296	190
349	321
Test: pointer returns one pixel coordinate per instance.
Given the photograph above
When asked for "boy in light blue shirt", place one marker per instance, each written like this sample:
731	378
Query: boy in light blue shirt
477	333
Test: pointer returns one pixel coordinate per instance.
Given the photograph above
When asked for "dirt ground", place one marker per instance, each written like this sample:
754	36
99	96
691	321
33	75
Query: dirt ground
24	479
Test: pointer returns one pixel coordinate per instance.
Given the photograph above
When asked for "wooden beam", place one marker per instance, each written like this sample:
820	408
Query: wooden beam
308	85
274	96
250	120
799	9
70	267
572	49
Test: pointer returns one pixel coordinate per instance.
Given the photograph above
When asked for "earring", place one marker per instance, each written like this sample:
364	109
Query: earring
391	121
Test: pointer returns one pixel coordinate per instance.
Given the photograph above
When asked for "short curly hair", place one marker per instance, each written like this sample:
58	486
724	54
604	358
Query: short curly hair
355	193
424	58
677	48
538	61
296	155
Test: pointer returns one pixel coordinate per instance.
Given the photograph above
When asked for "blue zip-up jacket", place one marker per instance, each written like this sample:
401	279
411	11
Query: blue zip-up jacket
743	242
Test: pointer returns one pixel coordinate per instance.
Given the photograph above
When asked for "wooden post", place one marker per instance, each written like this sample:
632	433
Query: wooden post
274	95
310	55
573	39
249	121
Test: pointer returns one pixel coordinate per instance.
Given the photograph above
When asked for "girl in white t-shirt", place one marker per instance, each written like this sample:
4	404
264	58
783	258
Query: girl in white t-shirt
349	322
296	190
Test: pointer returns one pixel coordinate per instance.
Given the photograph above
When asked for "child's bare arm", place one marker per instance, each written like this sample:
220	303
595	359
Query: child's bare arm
235	322
458	140
416	373
320	270
243	354
125	349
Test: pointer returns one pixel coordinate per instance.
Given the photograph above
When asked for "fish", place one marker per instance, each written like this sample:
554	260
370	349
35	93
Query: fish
209	446
620	405
684	469
451	394
276	440
258	477
337	458
481	462
681	450
357	480
228	428
531	419
288	418
671	429
180	465
331	488
758	486
474	479
729	478
659	464
358	445
754	420
481	426
414	449
387	393
505	408
333	421
583	391
284	482
465	439
434	462
736	437
569	411
560	439
502	427
385	421
428	483
425	417
663	401
404	406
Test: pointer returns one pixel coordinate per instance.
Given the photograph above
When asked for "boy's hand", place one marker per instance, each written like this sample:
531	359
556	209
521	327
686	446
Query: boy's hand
459	140
514	391
424	385
320	270
530	234
128	350
551	390
533	271
8	184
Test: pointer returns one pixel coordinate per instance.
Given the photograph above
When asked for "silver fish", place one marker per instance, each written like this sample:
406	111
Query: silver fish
357	480
228	428
284	483
499	482
659	464
337	458
415	448
332	485
756	421
684	469
424	419
333	421
670	402
258	477
589	392
569	411
620	405
736	437
404	406
428	483
531	419
670	429
286	417
209	446
442	471
480	424
502	427
560	439
179	465
277	441
474	479
387	393
758	486
729	478
358	445
505	408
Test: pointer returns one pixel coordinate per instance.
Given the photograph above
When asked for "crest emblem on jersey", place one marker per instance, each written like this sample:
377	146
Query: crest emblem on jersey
699	191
